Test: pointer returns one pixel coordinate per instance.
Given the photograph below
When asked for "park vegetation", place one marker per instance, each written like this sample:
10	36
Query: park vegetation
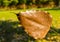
25	4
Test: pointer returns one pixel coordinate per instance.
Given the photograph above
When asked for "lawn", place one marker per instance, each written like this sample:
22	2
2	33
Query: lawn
56	18
10	30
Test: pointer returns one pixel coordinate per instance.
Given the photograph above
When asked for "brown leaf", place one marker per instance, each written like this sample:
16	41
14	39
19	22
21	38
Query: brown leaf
36	23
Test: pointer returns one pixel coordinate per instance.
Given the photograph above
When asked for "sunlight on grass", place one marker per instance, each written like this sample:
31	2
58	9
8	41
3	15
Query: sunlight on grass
56	18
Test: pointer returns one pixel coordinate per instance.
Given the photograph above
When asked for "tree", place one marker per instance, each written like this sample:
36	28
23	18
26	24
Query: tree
6	3
13	2
1	2
28	2
22	4
57	3
22	1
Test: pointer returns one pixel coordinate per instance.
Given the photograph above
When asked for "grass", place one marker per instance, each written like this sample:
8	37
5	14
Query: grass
56	18
7	15
10	30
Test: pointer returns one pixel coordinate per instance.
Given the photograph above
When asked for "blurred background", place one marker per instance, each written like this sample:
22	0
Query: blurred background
11	30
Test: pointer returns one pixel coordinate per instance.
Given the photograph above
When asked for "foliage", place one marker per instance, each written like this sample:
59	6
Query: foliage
22	1
13	2
5	2
27	2
44	0
1	2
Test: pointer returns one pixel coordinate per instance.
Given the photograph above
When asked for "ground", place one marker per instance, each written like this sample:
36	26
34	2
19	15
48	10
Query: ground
10	23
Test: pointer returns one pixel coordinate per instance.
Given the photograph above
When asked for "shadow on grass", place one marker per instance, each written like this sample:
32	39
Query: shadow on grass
11	32
55	8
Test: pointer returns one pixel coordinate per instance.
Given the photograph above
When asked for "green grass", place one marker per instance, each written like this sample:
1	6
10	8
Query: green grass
7	15
56	18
